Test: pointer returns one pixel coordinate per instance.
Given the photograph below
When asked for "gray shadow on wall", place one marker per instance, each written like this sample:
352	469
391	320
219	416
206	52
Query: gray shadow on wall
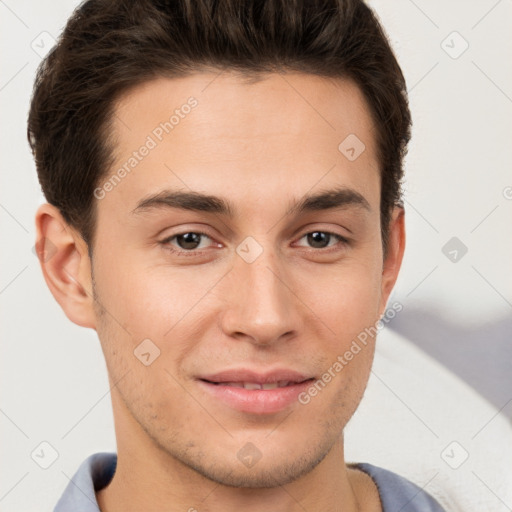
481	355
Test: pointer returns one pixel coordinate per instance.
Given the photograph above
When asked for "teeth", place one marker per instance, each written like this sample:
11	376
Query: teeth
252	385
234	384
255	385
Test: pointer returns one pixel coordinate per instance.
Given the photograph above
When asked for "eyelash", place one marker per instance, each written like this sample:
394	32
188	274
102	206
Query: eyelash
195	252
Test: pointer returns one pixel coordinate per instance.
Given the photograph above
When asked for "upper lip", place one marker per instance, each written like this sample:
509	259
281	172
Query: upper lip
246	375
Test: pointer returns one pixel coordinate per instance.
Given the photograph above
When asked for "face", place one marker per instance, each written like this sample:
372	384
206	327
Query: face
240	251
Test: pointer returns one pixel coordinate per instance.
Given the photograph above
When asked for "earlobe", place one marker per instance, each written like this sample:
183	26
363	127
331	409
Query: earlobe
394	256
65	264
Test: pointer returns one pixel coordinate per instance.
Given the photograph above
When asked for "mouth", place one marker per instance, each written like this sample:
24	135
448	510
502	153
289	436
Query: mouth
253	392
256	385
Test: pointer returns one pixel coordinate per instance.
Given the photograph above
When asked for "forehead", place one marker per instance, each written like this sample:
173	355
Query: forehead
219	133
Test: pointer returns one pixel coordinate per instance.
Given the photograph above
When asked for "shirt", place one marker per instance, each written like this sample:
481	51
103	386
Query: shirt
96	472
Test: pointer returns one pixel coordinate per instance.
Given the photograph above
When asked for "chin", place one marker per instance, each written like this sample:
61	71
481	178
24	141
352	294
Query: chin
264	474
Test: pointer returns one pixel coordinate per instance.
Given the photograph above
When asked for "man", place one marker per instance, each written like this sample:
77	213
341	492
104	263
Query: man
223	186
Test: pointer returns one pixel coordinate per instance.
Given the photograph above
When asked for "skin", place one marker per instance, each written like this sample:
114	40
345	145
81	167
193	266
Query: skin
261	146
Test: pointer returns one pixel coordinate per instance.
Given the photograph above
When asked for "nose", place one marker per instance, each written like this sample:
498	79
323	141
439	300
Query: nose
262	307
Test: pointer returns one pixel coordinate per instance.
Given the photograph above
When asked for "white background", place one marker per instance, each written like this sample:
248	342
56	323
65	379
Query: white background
442	369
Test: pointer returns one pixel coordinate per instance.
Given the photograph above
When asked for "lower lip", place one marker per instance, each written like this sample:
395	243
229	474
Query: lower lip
256	401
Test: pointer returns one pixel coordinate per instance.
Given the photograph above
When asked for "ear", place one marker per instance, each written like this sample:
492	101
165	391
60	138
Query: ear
65	264
394	256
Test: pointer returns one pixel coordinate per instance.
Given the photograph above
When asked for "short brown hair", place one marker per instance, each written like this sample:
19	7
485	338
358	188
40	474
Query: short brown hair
109	46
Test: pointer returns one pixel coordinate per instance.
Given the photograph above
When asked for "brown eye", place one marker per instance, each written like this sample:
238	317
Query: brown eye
318	239
321	239
188	241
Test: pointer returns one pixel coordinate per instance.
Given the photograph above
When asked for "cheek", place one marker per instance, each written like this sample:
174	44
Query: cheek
151	311
345	299
347	303
152	301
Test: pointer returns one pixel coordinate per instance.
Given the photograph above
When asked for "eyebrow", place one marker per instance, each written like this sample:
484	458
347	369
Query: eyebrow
195	201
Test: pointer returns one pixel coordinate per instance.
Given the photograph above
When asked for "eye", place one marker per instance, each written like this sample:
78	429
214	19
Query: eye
322	239
193	241
188	241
